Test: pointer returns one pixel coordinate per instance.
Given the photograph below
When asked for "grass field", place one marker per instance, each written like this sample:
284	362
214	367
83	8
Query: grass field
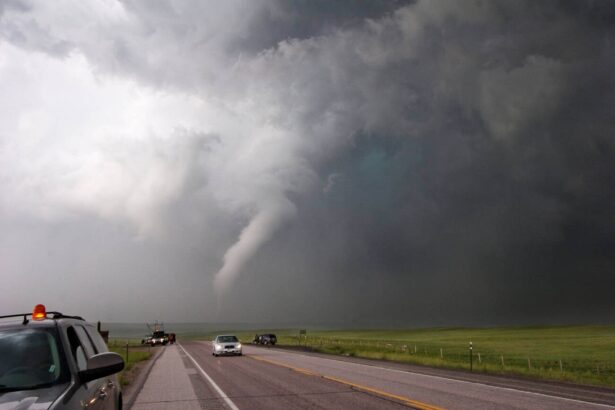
581	354
136	353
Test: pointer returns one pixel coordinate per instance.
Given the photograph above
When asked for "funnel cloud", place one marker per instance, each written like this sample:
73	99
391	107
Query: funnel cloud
260	229
349	163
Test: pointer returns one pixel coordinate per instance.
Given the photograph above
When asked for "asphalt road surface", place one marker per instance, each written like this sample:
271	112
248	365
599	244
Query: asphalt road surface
279	379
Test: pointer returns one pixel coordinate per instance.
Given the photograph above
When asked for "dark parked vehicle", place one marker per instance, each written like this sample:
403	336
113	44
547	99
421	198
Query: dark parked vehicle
265	339
53	361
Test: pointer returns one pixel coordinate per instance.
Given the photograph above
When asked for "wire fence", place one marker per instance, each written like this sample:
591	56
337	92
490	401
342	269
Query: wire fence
539	364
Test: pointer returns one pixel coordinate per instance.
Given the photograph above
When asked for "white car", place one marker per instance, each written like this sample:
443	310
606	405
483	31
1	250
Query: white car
226	344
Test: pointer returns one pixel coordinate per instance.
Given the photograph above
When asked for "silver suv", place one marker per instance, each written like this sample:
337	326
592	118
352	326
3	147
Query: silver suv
53	361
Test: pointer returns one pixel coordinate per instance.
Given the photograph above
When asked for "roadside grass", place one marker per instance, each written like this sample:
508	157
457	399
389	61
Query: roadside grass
579	354
136	353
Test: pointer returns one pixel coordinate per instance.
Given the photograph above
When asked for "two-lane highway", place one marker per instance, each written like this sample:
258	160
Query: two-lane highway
256	384
188	376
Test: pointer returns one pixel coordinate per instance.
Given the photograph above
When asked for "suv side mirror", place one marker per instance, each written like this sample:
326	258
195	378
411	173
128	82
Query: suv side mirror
101	365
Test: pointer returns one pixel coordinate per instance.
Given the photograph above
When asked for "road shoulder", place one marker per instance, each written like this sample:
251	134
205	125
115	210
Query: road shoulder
130	392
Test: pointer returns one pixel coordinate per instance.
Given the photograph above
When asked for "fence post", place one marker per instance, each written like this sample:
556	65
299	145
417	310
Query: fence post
529	364
502	357
470	356
561	367
126	352
441	354
479	361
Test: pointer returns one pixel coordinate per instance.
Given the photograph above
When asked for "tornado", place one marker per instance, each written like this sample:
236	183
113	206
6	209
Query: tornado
258	231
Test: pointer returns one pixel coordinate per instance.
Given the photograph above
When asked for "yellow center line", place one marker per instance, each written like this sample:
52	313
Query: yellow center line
405	400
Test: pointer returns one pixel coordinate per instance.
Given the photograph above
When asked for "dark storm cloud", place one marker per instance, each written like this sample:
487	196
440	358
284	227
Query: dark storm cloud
286	19
497	206
413	163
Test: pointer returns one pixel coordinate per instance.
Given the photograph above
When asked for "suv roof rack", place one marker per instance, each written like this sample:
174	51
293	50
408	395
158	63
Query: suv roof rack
59	315
55	315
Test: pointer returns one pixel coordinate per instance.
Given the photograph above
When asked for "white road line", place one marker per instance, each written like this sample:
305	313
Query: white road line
211	381
459	381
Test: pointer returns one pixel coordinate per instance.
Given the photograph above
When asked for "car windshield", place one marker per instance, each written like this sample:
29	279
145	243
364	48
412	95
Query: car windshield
31	358
227	339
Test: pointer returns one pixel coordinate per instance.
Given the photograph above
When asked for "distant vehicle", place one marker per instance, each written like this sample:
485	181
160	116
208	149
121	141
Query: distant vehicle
172	338
55	361
226	345
159	338
265	339
146	340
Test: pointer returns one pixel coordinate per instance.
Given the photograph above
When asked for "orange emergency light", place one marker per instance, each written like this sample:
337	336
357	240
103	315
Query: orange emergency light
39	312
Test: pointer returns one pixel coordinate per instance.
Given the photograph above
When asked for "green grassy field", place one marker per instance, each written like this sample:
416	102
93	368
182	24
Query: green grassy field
136	353
581	354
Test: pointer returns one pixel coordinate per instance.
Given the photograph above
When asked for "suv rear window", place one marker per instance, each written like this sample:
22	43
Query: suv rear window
31	358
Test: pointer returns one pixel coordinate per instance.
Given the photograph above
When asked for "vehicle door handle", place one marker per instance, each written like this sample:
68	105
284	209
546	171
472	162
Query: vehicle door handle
102	394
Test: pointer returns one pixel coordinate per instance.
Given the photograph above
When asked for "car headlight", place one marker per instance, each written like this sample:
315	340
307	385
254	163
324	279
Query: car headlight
238	345
217	346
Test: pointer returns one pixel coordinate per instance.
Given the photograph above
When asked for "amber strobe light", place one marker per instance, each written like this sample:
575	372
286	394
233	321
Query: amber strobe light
39	312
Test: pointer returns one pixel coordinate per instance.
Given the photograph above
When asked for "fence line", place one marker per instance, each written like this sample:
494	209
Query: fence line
458	356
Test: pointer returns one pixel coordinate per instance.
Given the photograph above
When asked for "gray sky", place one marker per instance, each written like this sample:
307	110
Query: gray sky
363	163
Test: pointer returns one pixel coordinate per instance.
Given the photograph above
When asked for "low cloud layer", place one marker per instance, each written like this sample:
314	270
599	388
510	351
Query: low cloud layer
367	163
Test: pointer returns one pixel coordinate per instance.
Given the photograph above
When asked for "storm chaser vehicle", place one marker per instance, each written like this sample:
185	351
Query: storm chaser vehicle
53	361
159	338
